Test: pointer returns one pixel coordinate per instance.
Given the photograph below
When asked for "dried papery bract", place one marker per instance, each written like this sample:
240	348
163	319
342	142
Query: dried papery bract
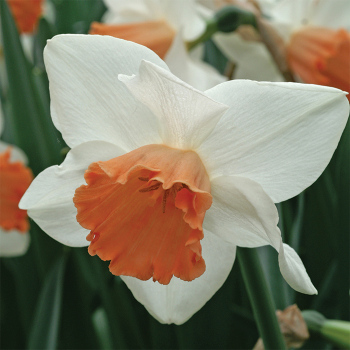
293	328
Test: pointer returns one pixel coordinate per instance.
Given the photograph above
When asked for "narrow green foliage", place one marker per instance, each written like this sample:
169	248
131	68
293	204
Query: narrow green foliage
110	301
342	227
30	134
45	32
76	16
44	333
214	56
335	331
11	327
76	328
26	288
260	298
296	230
281	292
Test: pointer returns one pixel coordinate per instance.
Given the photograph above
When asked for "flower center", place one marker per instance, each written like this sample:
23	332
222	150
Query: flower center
15	178
145	211
156	35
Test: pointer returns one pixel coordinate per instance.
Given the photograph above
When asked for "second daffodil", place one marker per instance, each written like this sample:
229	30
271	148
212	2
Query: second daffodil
164	180
15	178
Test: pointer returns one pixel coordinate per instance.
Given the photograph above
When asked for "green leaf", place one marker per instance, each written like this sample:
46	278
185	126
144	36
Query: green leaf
214	56
342	223
338	332
12	332
100	322
327	286
76	16
44	333
99	276
296	230
24	271
76	329
281	292
219	324
30	133
335	331
45	32
314	320
260	298
325	239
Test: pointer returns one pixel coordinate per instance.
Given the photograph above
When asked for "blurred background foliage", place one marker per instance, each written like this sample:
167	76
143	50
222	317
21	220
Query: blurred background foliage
60	297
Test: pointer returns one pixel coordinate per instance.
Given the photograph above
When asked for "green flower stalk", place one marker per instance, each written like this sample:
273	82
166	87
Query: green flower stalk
226	20
335	331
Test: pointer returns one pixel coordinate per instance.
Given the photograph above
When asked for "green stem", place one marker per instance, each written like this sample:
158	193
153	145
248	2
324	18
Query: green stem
209	32
226	20
260	299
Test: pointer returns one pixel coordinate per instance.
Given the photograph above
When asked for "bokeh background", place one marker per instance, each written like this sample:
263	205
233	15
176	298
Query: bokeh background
57	297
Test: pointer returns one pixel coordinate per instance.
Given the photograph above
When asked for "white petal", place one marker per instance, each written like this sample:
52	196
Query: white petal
178	301
49	199
16	153
196	73
294	12
293	270
244	215
180	14
323	13
332	14
183	15
88	102
281	135
121	11
252	58
266	6
13	243
186	116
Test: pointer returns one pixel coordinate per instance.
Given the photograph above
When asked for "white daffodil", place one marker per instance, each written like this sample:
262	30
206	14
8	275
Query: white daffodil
290	16
164	26
164	180
317	37
15	178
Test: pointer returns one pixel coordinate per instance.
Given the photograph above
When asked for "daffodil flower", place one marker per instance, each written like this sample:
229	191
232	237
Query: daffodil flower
26	14
317	36
164	180
15	178
164	27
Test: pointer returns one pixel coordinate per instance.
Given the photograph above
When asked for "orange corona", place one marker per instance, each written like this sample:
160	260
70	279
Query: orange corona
321	56
26	14
156	35
145	211
15	178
